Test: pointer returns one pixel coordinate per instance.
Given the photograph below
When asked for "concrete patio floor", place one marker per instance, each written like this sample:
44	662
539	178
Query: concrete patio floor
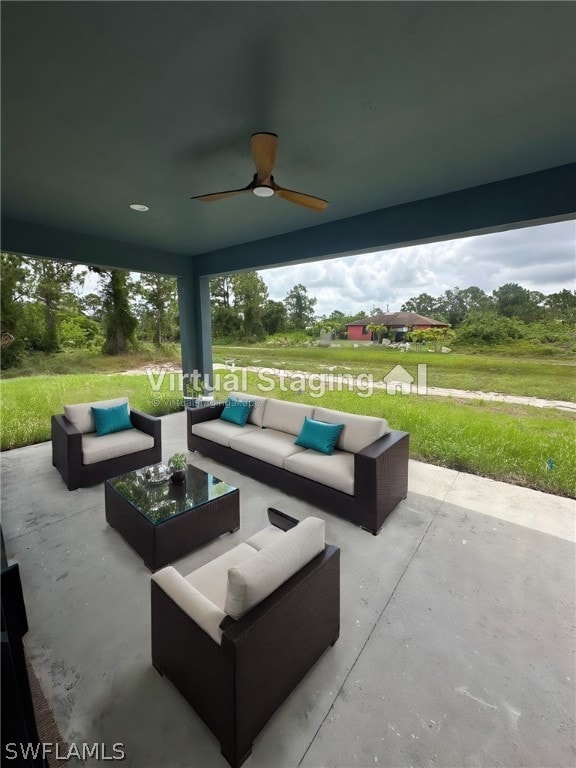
456	645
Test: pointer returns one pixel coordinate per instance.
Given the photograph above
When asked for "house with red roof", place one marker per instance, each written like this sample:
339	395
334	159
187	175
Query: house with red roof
403	322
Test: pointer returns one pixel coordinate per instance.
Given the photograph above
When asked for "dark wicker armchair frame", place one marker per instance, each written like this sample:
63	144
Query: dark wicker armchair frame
67	452
380	474
237	686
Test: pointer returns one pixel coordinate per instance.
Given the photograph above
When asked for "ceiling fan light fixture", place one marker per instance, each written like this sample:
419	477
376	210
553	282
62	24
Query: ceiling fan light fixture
139	207
263	190
264	147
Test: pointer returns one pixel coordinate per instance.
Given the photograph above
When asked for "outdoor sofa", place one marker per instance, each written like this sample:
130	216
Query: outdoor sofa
363	480
85	458
238	634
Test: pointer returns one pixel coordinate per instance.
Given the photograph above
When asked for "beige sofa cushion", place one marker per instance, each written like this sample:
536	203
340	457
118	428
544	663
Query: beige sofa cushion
358	432
81	414
335	471
266	444
212	579
264	537
286	417
206	614
96	449
257	413
254	579
220	431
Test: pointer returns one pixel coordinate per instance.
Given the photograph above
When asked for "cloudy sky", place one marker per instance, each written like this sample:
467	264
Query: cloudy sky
538	258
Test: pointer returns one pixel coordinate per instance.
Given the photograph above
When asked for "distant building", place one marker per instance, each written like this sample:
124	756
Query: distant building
401	321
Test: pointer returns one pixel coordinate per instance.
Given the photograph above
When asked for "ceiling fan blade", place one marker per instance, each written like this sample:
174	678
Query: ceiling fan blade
264	146
221	195
308	201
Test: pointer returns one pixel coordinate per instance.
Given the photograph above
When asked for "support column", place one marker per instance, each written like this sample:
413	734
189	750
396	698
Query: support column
195	324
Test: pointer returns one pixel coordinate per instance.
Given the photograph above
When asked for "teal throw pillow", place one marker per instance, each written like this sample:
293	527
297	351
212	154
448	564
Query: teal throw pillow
237	411
108	420
319	435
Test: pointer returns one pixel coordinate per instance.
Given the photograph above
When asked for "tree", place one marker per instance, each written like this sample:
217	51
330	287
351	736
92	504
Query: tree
454	305
424	304
514	301
50	281
299	307
91	306
158	293
226	322
379	330
562	305
250	297
221	290
274	317
13	277
119	322
334	323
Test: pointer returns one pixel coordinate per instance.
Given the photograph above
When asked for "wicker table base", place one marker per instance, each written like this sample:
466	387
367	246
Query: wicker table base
158	545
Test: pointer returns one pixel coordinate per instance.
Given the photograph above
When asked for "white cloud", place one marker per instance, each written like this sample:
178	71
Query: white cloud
538	258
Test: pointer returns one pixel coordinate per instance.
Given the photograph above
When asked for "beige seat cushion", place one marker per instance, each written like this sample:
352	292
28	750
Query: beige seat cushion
220	431
211	579
201	610
81	414
257	413
335	471
358	432
286	417
264	537
255	578
266	444
96	449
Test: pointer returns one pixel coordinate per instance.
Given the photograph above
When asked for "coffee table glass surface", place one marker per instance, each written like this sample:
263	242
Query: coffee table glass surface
162	501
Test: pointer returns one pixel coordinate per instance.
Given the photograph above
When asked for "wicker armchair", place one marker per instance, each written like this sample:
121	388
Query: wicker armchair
71	434
236	673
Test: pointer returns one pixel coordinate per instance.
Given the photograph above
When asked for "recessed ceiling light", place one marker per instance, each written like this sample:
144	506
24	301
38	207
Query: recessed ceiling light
139	207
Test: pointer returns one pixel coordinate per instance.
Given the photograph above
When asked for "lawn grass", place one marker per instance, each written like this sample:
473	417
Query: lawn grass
551	379
91	360
505	442
26	404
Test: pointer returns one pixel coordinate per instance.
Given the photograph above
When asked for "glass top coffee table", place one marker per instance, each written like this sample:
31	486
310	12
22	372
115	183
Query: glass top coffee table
163	521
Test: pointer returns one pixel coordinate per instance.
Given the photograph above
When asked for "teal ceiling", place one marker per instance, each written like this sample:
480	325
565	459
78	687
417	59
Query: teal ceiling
376	104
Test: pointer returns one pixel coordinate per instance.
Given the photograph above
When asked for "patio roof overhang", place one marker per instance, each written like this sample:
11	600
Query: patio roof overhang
418	121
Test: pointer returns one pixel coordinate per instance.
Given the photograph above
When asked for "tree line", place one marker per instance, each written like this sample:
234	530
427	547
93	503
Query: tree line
511	300
242	309
510	313
46	308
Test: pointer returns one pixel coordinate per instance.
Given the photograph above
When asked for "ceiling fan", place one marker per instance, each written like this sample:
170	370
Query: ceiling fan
264	146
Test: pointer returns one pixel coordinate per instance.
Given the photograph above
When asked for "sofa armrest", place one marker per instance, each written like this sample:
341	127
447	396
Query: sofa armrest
205	413
198	415
151	425
381	478
383	444
199	608
281	520
66	449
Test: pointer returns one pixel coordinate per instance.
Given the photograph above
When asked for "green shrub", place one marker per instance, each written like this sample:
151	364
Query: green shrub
490	329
